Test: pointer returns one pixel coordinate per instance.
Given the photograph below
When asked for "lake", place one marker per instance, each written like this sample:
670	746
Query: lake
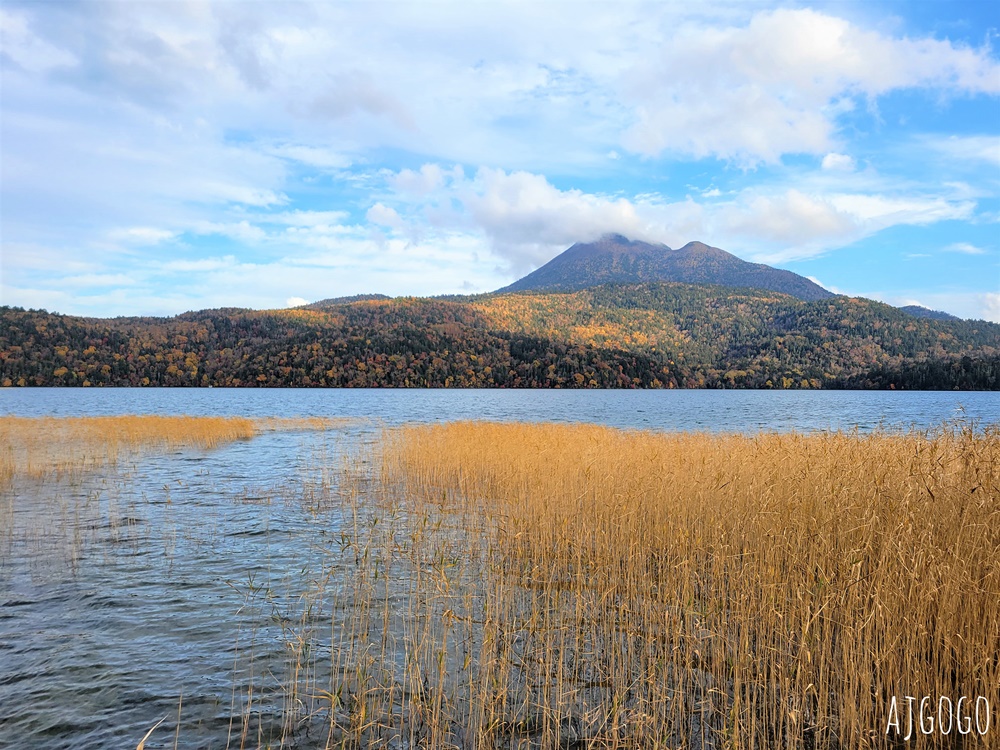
696	410
176	585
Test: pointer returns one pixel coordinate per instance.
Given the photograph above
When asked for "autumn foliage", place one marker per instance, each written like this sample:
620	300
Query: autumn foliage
641	336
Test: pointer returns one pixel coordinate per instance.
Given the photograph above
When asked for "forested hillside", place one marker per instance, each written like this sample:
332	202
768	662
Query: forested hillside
660	335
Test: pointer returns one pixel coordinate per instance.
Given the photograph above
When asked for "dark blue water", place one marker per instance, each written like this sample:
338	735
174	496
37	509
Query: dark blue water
739	411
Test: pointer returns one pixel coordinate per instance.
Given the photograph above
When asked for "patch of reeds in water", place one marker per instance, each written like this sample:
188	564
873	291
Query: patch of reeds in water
631	589
36	447
42	446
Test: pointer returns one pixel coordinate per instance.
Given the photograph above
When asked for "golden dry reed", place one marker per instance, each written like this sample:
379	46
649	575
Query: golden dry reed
36	447
631	589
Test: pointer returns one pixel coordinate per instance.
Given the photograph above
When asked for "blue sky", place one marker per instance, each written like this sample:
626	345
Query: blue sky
163	157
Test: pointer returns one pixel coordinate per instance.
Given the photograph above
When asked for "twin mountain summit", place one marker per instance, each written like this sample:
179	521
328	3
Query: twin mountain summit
614	313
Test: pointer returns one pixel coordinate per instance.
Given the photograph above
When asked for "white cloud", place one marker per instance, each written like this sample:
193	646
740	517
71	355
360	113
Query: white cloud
429	178
356	92
831	287
146	123
881	211
495	83
198	265
971	148
312	156
18	256
527	220
990	306
793	225
776	85
125	177
42	298
27	50
245	194
318	235
384	216
317	267
797	223
965	248
242	231
736	124
964	304
141	235
296	302
838	162
302	218
99	280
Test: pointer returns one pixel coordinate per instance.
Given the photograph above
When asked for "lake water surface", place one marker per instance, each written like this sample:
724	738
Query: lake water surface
735	410
174	586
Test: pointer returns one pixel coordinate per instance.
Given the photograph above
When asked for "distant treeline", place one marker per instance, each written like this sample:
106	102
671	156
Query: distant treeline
965	374
637	336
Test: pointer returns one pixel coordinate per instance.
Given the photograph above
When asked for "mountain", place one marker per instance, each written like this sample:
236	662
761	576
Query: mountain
653	335
924	312
616	259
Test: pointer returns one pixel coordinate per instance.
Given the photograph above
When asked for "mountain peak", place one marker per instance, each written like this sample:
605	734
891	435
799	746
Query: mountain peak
697	246
616	238
615	243
616	259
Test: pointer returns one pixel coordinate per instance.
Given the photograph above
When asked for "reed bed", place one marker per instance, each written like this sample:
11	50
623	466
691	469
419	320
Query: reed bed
553	586
481	585
37	447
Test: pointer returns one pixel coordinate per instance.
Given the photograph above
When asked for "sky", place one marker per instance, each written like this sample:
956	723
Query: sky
158	157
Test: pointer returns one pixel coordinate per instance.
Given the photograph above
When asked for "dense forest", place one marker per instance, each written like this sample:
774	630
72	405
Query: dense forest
656	335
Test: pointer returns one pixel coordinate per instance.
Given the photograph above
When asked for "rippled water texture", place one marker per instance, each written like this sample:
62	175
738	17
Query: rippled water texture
177	585
739	411
131	591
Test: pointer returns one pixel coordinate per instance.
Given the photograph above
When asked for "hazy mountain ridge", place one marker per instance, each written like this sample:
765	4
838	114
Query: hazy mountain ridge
615	259
643	335
920	311
324	303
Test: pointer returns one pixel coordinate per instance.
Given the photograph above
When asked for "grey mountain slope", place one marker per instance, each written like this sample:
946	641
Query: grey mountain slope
614	259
